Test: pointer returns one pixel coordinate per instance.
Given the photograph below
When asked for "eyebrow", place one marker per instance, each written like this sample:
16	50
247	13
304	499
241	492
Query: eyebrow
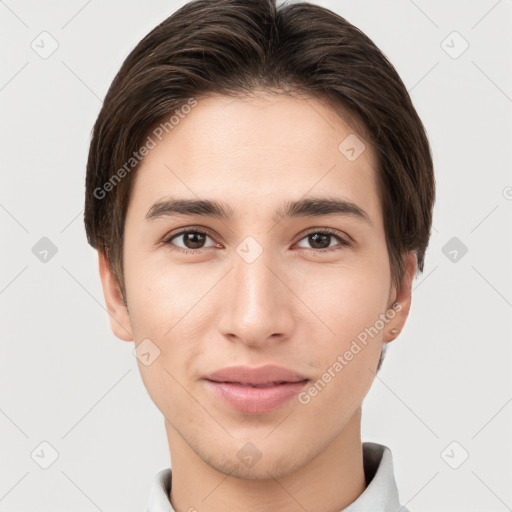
306	207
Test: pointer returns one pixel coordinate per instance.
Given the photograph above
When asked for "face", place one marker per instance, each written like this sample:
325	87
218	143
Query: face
261	284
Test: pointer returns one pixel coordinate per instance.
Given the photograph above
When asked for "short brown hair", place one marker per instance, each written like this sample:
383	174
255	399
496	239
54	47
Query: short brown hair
235	47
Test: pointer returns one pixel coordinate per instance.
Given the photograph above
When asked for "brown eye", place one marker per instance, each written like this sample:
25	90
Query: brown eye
323	240
320	240
191	240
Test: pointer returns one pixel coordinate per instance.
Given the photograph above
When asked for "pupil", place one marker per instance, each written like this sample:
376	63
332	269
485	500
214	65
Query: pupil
322	237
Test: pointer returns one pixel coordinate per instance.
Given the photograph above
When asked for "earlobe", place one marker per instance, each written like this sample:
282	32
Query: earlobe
117	310
402	303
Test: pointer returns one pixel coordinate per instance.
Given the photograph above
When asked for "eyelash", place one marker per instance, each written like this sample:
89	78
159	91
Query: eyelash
324	231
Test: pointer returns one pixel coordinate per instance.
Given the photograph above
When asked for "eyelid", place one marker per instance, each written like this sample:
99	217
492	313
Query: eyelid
180	231
340	234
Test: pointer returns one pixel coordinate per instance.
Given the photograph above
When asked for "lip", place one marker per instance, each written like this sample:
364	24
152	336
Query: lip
261	375
255	390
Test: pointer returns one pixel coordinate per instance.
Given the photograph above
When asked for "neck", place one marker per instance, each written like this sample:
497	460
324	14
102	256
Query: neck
329	482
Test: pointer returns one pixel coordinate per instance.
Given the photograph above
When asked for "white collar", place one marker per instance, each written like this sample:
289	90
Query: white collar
380	495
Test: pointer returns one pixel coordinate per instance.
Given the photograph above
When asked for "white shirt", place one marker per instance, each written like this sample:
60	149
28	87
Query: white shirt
380	495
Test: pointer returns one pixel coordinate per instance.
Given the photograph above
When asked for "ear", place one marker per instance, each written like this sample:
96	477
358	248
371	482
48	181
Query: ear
117	311
403	298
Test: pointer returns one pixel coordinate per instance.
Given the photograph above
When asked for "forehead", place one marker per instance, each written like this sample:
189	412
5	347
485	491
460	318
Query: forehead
259	150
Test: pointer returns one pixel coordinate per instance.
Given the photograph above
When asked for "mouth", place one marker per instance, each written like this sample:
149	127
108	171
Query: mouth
257	390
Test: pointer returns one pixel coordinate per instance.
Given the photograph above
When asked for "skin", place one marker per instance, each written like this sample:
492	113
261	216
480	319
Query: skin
297	308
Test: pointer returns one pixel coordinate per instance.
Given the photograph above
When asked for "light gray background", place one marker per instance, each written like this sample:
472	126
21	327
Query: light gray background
68	381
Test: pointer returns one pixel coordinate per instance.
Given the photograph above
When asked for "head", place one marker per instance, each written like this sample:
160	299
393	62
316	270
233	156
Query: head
284	144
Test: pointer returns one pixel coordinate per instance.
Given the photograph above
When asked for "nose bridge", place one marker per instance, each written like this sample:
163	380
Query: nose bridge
257	304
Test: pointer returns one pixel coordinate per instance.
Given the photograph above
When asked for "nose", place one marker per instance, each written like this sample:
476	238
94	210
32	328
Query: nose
257	302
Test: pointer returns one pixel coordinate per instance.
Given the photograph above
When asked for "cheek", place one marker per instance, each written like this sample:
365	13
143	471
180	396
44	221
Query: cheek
159	295
158	304
163	312
350	303
346	356
347	300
